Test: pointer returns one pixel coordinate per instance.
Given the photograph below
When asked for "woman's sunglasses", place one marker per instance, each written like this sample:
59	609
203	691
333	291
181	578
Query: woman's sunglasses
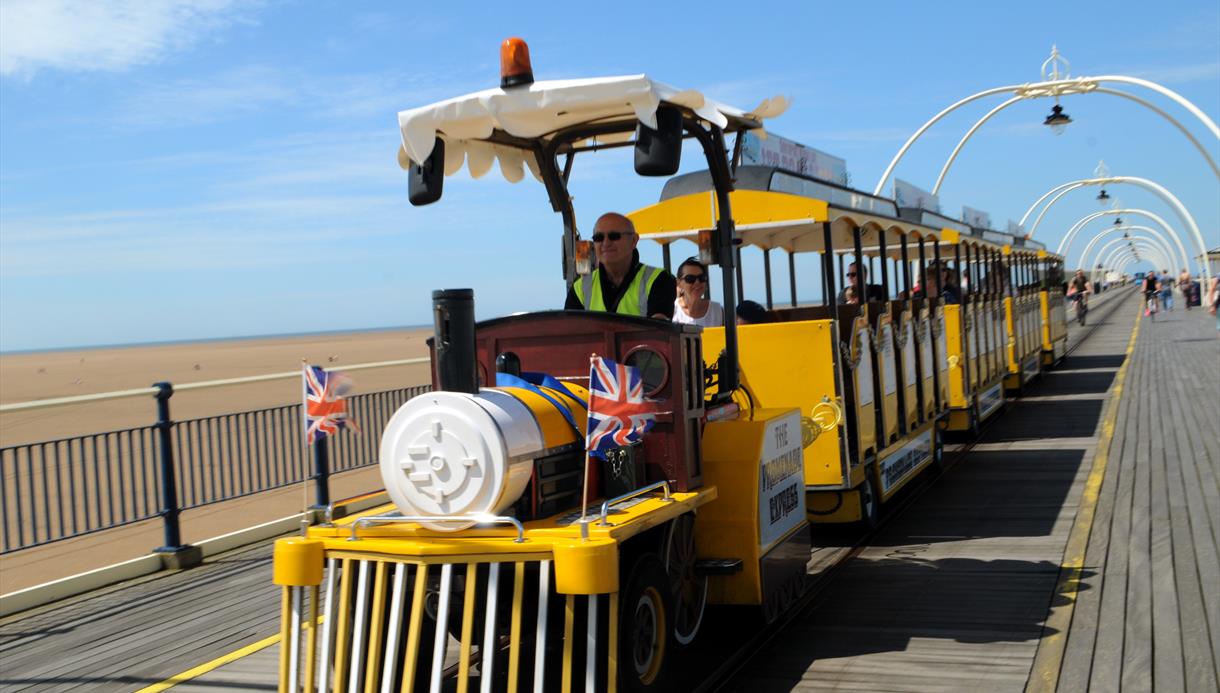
692	278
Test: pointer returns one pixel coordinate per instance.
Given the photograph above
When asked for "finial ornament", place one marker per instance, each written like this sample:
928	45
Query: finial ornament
1056	67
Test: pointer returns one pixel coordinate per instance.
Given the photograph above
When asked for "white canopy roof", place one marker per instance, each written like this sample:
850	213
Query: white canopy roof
536	110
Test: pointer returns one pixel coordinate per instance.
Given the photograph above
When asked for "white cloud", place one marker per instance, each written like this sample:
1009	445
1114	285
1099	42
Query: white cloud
97	35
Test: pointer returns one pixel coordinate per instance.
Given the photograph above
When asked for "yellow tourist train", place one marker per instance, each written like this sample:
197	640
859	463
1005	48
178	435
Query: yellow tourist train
504	559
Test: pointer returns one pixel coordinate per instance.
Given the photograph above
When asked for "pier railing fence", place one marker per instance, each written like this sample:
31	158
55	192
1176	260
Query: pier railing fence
70	487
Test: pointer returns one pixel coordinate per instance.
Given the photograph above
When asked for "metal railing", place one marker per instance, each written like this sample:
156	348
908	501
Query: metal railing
59	489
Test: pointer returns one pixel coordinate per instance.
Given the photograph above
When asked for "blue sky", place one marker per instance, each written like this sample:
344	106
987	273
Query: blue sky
204	168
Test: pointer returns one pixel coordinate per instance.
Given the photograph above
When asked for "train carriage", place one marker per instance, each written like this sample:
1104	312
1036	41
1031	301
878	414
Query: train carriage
866	376
490	569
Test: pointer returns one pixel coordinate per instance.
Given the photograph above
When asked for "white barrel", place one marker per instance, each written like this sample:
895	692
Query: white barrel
453	453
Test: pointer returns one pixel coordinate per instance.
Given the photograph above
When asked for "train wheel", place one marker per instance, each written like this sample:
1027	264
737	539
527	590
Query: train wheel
870	504
689	590
644	625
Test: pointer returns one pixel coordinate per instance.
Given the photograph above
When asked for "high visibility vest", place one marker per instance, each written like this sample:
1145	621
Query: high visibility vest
634	300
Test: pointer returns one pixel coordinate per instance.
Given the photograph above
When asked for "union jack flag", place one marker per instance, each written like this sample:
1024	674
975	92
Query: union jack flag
325	407
618	413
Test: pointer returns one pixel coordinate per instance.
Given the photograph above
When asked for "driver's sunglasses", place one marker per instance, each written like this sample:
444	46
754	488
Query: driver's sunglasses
692	278
609	236
851	274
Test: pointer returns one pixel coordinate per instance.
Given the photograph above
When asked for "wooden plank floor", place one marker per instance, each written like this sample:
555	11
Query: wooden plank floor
955	594
1150	616
138	633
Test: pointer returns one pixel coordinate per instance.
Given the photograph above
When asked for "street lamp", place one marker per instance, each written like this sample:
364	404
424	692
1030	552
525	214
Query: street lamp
1057	121
1103	196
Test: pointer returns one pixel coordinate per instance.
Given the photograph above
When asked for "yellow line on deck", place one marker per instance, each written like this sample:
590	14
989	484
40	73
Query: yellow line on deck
1044	675
209	666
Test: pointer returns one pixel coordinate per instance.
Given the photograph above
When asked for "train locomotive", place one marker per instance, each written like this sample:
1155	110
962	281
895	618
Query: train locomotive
489	563
491	568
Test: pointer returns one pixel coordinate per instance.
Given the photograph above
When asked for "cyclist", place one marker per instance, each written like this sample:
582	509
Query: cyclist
1078	291
1152	288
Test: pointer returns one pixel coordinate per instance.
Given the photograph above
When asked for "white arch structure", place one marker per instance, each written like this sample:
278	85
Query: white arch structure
1084	257
1109	248
1055	88
1127	257
1071	234
1100	90
1151	255
1141	250
1159	190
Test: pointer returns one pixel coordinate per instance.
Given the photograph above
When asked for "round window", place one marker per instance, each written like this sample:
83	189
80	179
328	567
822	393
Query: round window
653	367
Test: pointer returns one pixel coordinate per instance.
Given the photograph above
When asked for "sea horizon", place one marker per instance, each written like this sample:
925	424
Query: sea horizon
211	340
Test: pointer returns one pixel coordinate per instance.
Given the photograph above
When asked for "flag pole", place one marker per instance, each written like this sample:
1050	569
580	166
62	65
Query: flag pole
584	499
305	431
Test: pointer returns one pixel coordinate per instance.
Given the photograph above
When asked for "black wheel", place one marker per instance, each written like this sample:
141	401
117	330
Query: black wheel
870	503
688	589
645	615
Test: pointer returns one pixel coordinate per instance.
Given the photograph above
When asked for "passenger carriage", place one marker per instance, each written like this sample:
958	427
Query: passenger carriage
490	570
867	377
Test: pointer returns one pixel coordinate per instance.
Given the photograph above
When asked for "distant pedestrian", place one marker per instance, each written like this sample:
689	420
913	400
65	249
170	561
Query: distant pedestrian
1167	290
1213	297
1185	284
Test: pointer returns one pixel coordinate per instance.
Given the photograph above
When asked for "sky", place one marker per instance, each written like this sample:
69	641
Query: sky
195	169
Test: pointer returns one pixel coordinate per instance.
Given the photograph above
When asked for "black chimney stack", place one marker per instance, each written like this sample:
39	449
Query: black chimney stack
453	312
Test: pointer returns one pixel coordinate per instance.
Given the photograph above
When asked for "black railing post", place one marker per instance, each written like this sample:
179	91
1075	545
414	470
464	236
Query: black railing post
321	472
177	554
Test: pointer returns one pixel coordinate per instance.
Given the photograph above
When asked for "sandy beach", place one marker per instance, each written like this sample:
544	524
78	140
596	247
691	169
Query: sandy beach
34	376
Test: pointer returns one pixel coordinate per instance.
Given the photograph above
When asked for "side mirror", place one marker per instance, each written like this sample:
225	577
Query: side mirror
659	152
426	180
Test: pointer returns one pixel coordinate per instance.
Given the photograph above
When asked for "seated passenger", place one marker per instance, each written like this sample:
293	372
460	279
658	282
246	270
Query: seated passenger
940	283
694	306
621	283
855	279
751	313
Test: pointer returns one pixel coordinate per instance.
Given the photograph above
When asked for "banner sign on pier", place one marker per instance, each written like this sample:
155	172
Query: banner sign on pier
788	155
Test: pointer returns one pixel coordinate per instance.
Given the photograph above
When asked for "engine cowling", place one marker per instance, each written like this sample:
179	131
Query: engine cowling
454	453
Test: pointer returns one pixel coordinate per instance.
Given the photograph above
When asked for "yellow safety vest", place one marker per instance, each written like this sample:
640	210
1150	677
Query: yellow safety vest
634	300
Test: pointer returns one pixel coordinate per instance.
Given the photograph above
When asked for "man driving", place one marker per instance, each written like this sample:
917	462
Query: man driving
621	283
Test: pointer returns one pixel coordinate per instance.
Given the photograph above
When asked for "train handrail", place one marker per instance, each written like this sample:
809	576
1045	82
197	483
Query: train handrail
605	509
479	518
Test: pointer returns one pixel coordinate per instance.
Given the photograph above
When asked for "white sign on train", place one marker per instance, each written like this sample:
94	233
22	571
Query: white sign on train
910	195
788	155
781	482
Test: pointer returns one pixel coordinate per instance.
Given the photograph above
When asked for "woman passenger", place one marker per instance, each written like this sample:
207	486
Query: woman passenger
693	305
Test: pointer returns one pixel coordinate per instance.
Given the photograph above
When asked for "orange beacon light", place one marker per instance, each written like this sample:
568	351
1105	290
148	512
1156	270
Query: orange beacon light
515	67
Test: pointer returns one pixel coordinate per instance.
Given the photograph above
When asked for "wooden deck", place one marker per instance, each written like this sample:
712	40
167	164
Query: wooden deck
955	595
1148	613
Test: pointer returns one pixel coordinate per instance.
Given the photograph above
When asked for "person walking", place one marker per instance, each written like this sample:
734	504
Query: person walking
1213	297
1167	290
1187	287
